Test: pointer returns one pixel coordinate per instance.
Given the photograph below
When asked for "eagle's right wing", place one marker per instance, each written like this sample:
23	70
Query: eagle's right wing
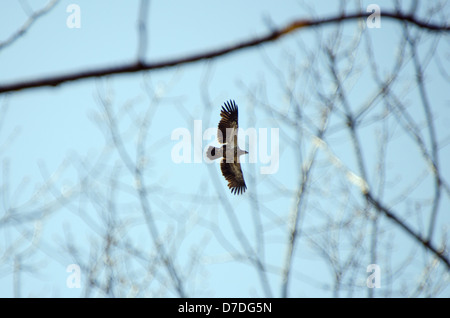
228	125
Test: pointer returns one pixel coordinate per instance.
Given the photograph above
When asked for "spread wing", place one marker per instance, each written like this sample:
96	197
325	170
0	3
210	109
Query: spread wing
228	125
233	174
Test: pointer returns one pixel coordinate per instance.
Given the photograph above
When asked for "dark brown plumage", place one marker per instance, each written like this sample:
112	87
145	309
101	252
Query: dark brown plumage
229	152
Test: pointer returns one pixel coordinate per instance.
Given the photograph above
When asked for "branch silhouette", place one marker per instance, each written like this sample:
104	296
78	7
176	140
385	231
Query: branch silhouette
272	36
426	243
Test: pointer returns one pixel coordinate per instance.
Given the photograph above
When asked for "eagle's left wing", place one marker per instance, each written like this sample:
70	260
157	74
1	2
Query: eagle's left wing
233	174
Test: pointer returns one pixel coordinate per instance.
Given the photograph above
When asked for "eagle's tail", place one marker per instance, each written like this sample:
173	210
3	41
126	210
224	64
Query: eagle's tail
213	153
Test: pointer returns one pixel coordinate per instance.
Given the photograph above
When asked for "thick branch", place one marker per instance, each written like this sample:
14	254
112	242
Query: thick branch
426	243
272	36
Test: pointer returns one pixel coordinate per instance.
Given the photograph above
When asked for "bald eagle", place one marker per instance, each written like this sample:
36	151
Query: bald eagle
230	151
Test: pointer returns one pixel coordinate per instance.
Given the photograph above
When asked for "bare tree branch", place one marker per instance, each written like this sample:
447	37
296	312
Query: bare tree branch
142	27
26	26
140	66
439	253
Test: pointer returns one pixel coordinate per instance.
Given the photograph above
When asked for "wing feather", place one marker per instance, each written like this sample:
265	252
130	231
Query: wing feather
228	125
233	174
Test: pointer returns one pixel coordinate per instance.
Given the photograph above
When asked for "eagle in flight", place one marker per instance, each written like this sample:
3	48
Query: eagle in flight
227	134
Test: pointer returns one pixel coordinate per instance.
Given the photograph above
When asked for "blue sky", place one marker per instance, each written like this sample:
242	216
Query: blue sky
60	133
